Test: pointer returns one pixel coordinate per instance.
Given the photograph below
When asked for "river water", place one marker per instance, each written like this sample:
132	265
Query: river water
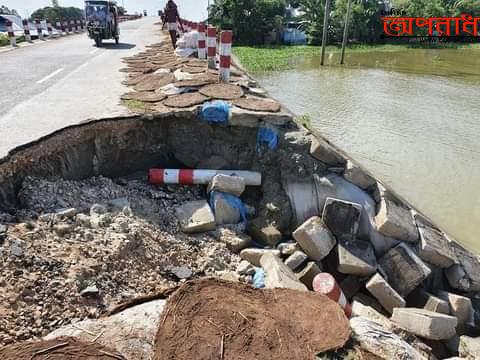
411	117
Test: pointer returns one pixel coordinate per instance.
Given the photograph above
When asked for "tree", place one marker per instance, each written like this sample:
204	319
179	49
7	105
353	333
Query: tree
55	3
59	12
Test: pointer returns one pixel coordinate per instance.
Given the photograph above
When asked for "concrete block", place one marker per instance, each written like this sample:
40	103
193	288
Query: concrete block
396	221
357	176
404	269
384	293
424	323
253	255
460	307
434	246
469	348
308	273
268	234
342	218
420	298
287	249
196	217
314	238
234	185
466	274
236	242
295	260
323	151
225	212
361	309
279	275
356	258
381	243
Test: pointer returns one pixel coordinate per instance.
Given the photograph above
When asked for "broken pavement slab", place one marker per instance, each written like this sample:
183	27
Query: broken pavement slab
460	307
268	234
424	323
404	269
342	218
326	153
296	259
357	176
234	185
434	247
420	298
196	217
356	258
308	273
314	238
384	293
396	221
253	255
466	274
279	275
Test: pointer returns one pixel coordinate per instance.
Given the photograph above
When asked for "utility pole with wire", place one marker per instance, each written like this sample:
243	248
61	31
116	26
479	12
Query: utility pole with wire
345	30
326	15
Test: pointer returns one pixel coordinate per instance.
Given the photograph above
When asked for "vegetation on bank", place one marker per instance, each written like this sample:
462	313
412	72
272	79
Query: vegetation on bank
273	58
4	40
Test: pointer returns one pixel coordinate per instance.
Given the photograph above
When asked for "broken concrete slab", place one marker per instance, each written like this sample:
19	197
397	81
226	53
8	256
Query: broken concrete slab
356	258
469	347
308	273
460	307
268	234
295	260
279	275
234	185
236	242
253	255
248	118
326	153
363	310
342	218
287	249
132	332
357	176
314	238
225	208
420	298
404	269
434	247
382	243
381	342
424	323
396	221
384	293
466	274
196	217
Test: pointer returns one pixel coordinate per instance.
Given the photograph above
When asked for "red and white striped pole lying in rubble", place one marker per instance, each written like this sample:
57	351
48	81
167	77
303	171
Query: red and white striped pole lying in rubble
325	284
26	30
39	29
49	29
201	42
11	34
199	177
225	55
212	47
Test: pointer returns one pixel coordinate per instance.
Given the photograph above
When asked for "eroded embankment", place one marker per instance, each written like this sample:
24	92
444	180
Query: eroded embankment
82	230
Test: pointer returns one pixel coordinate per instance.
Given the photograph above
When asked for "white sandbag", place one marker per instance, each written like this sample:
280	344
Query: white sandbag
191	39
184	52
171	89
180	75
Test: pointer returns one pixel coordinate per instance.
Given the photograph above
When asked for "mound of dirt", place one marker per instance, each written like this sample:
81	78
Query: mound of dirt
222	91
215	319
185	100
258	105
58	349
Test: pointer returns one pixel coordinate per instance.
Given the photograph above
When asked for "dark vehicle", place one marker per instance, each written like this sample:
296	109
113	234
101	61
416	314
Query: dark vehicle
145	13
102	21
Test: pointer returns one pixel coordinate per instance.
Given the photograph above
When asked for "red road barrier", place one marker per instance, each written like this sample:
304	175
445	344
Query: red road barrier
39	29
11	34
26	30
225	55
212	47
202	44
325	284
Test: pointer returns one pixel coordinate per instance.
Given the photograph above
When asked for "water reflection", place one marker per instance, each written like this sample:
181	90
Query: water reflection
411	117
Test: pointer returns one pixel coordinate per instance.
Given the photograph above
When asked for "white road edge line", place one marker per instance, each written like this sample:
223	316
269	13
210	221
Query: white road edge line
50	76
93	51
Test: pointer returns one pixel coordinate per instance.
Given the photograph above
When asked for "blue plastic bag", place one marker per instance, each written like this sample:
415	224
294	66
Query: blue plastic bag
267	136
216	112
259	278
230	199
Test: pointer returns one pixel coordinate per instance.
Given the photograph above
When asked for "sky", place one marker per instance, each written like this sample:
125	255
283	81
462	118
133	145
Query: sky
194	10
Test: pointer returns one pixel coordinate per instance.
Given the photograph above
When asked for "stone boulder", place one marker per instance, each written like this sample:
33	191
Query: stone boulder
314	238
279	275
196	217
396	221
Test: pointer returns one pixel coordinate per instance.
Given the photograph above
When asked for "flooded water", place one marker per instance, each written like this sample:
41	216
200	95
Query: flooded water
411	117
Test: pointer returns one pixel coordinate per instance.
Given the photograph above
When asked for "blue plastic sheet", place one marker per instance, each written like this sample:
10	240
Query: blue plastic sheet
216	112
259	278
230	199
267	137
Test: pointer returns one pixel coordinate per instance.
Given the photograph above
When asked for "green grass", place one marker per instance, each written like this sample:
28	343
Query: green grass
134	105
5	41
304	120
274	58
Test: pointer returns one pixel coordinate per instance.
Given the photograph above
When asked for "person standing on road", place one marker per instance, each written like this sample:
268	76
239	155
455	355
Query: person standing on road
171	16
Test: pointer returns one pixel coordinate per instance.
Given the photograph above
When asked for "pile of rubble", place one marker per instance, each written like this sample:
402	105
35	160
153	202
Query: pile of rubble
79	247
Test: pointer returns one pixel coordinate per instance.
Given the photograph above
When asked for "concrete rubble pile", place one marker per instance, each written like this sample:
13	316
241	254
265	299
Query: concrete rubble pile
72	249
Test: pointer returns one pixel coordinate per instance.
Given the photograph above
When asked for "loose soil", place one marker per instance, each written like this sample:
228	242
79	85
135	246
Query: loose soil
222	91
251	323
257	105
185	100
58	349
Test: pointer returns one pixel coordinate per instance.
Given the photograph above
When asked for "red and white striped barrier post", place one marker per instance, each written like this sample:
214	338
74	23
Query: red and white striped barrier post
65	26
202	44
79	28
11	34
212	47
26	30
82	24
39	29
72	26
199	177
58	26
49	29
225	51
325	284
194	26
